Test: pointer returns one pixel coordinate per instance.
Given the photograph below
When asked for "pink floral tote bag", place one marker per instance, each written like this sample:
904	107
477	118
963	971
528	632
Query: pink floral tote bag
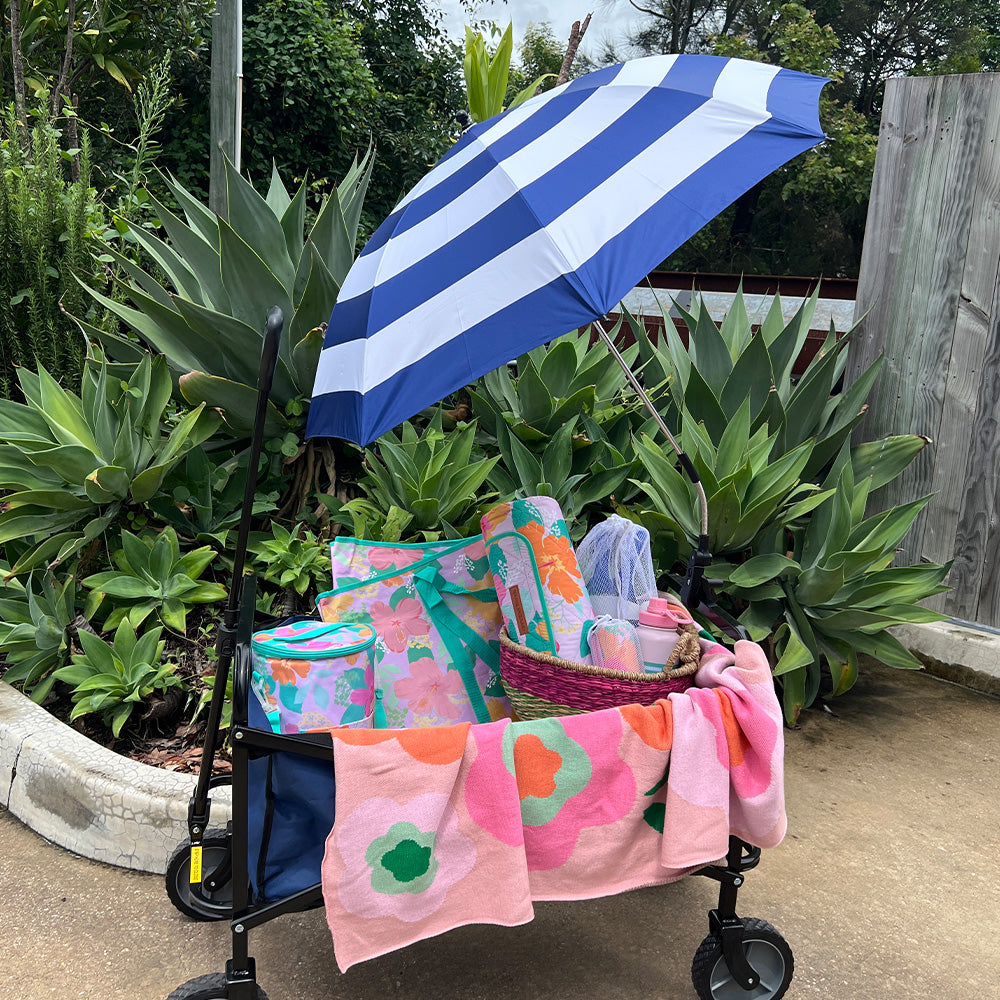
434	610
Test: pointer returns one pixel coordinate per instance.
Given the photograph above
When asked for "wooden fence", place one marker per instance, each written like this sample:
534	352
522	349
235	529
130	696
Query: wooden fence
929	285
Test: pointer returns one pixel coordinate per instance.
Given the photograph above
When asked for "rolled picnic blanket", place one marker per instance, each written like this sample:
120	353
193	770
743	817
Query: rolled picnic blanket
540	588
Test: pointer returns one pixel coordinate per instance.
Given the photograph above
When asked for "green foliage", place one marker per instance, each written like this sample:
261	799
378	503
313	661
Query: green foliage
799	563
836	593
562	426
74	463
418	486
308	88
34	626
292	561
226	275
113	680
486	76
202	500
153	577
50	235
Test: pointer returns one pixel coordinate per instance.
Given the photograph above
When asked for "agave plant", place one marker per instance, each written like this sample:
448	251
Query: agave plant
827	590
800	565
562	425
113	680
73	463
419	486
34	630
226	274
153	576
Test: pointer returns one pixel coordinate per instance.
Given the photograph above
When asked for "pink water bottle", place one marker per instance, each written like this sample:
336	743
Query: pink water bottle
657	632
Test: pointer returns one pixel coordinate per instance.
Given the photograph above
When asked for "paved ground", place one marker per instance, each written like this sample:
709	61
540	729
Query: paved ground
887	886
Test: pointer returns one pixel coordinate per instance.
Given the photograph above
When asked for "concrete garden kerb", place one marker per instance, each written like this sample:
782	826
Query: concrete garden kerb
88	799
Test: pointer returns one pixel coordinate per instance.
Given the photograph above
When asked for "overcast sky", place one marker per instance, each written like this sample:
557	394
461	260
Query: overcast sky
611	18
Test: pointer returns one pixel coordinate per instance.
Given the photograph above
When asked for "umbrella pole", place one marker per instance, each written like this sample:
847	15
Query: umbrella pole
690	594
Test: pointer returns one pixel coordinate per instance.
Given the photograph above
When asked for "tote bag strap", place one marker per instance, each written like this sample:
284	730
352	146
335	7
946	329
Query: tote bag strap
457	636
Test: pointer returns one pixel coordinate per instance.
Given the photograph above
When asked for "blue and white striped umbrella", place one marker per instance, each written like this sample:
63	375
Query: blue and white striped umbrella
540	220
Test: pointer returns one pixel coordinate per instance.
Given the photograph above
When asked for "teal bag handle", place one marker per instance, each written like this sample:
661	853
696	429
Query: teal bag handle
533	640
286	644
456	635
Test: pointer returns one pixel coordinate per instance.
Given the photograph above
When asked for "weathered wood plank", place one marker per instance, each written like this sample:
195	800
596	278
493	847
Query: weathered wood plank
222	100
976	309
931	280
954	182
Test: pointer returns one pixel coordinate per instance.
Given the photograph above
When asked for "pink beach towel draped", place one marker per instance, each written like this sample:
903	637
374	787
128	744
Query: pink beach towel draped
437	828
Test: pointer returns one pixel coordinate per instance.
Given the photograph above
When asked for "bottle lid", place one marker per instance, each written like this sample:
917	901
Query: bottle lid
664	613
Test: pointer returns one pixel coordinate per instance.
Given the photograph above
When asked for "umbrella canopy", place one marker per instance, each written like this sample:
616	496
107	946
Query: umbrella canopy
540	220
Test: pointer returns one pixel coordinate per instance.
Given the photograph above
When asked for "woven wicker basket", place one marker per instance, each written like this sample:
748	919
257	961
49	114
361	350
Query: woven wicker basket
541	685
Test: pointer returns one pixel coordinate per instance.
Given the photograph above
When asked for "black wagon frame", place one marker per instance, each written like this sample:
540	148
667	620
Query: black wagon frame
218	886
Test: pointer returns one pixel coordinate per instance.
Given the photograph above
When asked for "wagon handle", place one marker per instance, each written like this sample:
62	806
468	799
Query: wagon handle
200	804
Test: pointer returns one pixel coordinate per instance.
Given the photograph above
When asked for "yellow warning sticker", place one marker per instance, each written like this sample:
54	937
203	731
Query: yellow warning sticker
196	864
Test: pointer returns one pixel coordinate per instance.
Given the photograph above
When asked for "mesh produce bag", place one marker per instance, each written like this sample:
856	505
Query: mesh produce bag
617	567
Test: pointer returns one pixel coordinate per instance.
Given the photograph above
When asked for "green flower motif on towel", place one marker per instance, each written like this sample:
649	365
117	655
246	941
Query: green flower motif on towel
402	860
411	854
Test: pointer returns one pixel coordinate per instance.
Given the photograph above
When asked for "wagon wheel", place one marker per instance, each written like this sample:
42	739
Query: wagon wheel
766	951
201	904
210	987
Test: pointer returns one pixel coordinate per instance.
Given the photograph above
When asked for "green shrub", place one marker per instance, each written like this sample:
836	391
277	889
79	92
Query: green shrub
71	465
50	229
799	564
113	680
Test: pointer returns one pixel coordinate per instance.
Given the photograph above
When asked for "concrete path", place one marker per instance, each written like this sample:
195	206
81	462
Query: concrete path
887	886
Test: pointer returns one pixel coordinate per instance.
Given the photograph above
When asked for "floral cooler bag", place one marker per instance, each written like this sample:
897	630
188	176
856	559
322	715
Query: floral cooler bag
434	611
311	676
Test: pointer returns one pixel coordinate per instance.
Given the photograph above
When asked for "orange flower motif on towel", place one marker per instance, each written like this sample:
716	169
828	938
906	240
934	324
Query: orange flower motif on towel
395	626
556	562
428	691
289	671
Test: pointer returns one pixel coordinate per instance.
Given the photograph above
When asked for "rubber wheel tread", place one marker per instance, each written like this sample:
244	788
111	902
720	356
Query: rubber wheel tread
177	883
209	987
710	951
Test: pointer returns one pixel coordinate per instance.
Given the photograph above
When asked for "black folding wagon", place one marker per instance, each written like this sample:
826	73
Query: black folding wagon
266	861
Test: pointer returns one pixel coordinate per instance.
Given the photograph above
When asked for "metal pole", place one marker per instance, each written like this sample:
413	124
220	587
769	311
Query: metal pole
238	125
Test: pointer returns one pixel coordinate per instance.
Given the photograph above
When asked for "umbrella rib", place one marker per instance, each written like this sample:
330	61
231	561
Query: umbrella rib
630	375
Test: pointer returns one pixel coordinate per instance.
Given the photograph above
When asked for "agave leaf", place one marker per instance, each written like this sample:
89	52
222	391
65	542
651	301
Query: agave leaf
882	461
760	569
201	256
293	221
751	378
351	193
315	304
173	264
251	218
253	287
199	218
735	328
164	329
236	403
150	285
237	345
330	237
818	585
63	412
699	398
305	357
277	196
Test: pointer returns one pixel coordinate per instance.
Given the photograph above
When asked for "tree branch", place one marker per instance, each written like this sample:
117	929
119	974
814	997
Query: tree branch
67	57
18	60
575	37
